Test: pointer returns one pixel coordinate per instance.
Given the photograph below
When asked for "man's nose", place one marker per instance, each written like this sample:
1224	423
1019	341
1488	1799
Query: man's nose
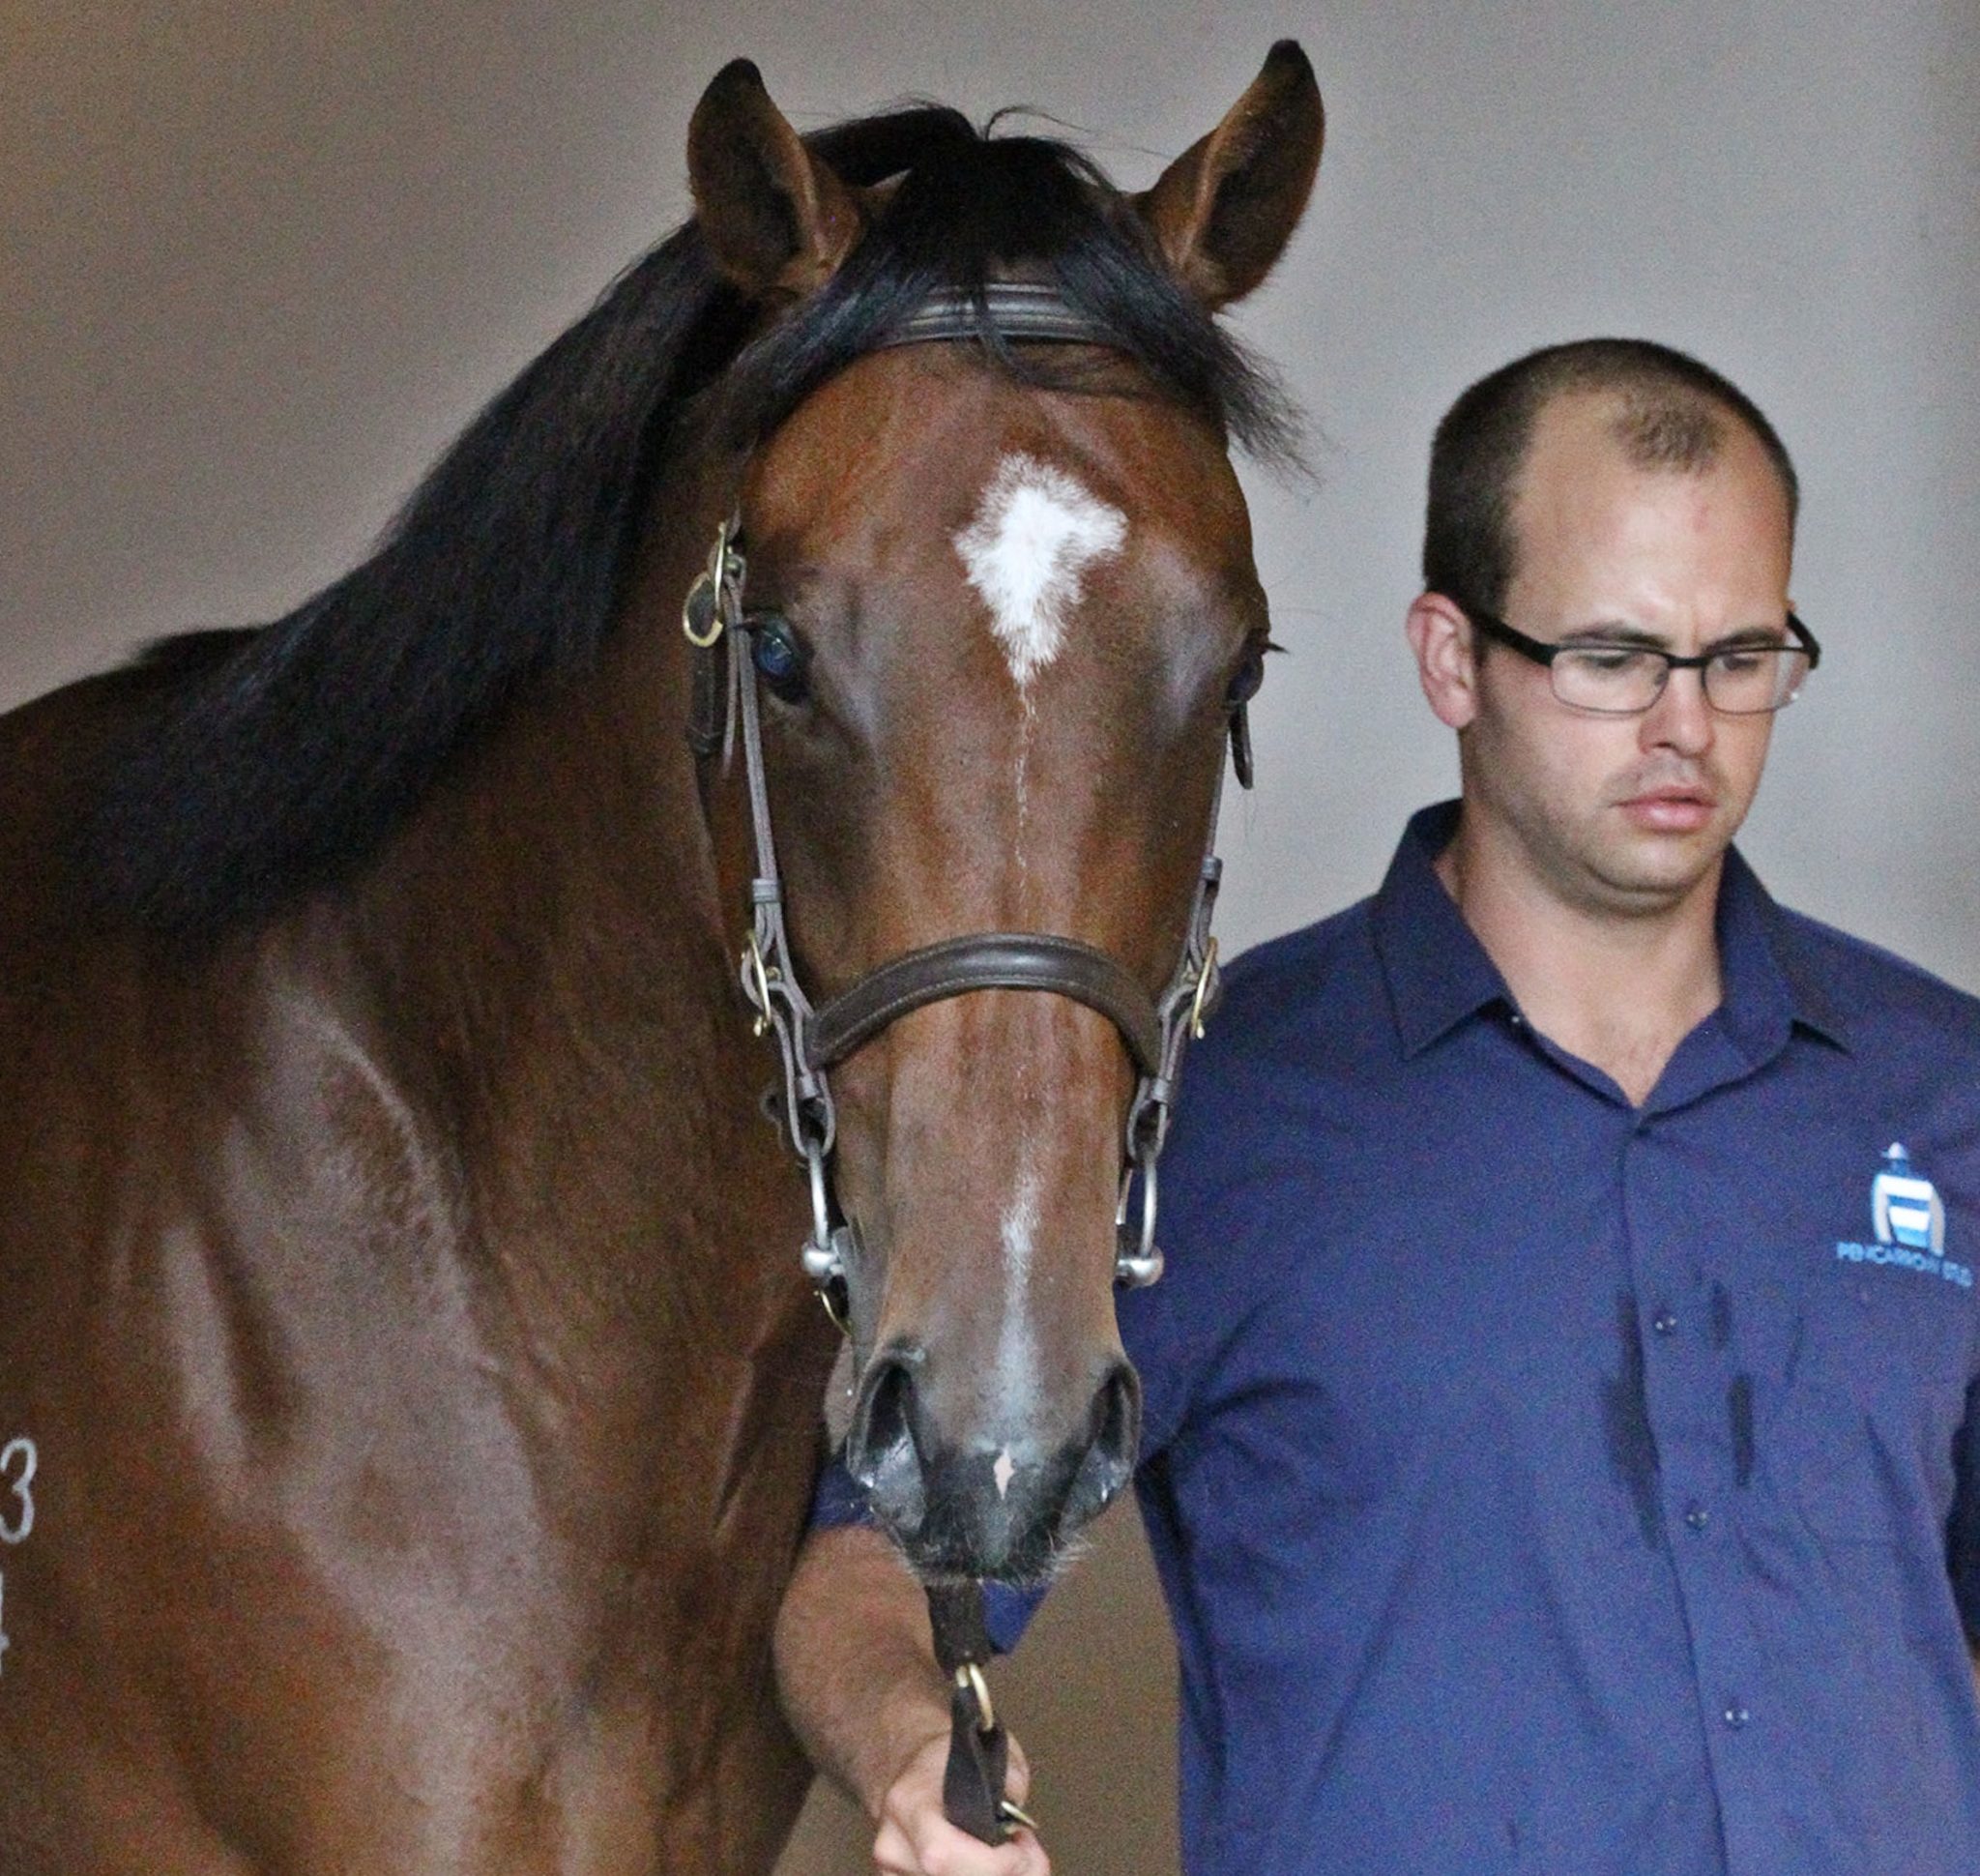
1680	718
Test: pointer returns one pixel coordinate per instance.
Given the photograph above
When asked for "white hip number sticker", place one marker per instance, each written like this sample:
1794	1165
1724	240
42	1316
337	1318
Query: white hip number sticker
17	1462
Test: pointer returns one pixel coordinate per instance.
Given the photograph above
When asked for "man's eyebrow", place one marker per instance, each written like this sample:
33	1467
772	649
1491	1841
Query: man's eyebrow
1616	632
1751	638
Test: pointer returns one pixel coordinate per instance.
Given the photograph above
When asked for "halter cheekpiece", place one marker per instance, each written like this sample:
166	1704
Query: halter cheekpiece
1156	1030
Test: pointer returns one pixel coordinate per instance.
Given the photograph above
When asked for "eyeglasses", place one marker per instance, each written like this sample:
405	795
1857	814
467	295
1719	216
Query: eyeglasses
1619	678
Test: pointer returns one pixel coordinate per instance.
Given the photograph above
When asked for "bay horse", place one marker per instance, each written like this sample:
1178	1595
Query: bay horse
409	1399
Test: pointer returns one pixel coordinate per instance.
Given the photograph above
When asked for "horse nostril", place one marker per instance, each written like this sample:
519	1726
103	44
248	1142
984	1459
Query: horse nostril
881	1450
1119	1412
1109	1461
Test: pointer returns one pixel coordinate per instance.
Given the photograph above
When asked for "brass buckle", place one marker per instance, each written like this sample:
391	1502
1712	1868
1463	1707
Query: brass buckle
757	982
1204	978
970	1677
702	617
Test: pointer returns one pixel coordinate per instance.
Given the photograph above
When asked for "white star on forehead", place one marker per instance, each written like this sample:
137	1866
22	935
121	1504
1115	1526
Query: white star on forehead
1035	533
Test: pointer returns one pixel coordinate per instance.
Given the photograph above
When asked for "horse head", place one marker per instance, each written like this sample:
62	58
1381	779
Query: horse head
999	619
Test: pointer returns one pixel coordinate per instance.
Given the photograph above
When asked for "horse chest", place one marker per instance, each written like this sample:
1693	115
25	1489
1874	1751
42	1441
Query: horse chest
501	1673
448	1558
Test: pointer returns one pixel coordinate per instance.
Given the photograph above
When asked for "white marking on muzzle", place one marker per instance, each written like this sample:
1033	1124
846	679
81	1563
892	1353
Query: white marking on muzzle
1017	1353
1035	533
1003	1472
1021	1228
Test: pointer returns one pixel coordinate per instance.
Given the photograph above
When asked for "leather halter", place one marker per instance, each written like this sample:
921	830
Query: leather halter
1011	310
1156	1030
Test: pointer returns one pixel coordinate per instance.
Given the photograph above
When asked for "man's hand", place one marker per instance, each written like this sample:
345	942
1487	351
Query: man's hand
916	1839
856	1667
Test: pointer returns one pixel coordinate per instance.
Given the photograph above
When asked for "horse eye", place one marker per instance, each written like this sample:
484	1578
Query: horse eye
1246	681
780	658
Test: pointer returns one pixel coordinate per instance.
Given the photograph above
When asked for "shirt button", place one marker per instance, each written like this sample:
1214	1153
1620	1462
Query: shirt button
1664	1322
1735	1715
1697	1516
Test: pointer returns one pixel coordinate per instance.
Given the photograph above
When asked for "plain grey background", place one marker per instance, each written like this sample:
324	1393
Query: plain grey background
258	263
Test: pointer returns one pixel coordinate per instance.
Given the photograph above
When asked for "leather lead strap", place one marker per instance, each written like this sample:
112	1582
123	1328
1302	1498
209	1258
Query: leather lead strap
978	1763
978	1746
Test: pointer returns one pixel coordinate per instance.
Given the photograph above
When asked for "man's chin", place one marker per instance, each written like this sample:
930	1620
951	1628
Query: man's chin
1659	872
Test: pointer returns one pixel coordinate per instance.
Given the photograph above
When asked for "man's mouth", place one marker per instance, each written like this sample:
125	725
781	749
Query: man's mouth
1679	809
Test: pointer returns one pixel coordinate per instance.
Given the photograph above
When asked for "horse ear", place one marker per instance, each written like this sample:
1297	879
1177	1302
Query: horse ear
1224	210
777	219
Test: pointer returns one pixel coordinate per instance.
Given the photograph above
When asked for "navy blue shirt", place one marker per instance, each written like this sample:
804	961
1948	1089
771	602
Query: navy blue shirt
1542	1484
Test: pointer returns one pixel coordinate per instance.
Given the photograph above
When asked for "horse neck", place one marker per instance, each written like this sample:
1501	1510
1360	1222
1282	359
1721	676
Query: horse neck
506	1067
553	944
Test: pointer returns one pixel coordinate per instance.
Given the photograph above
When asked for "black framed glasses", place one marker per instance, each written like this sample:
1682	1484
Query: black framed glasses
1618	678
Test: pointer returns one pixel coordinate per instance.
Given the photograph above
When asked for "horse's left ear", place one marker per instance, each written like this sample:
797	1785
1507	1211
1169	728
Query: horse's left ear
1224	210
777	219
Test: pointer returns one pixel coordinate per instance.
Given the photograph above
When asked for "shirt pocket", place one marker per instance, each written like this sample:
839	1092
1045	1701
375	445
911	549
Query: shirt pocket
1876	1392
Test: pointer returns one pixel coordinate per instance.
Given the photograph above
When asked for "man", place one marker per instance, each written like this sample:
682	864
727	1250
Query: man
1562	1438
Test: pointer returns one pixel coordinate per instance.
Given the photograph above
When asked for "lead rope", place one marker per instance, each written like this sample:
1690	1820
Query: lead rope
972	1795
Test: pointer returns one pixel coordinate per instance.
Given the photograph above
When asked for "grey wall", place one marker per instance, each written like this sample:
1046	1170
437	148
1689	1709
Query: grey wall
257	263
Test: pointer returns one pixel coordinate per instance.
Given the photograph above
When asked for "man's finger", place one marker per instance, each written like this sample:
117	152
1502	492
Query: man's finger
939	1849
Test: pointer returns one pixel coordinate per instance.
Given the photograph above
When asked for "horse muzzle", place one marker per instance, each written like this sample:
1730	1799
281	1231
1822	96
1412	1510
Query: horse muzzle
998	1504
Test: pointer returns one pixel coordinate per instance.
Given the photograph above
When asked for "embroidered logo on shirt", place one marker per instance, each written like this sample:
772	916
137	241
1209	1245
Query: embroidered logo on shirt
1905	1208
1908	1219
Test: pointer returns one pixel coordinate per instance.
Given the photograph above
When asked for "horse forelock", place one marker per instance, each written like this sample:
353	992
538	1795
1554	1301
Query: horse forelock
971	207
279	763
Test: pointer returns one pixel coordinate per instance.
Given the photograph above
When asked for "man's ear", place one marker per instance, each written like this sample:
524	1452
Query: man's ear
775	219
1224	210
1446	661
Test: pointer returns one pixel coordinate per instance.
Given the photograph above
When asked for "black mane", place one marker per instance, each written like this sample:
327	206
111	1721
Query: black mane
277	761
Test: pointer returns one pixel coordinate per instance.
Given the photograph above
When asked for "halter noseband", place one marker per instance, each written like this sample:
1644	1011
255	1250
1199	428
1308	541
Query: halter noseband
1156	1030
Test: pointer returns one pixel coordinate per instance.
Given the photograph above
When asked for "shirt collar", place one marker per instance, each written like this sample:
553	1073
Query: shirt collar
1436	970
1770	982
1439	975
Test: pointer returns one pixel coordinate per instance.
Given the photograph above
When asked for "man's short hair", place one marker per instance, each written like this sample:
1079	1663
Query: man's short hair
1672	416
